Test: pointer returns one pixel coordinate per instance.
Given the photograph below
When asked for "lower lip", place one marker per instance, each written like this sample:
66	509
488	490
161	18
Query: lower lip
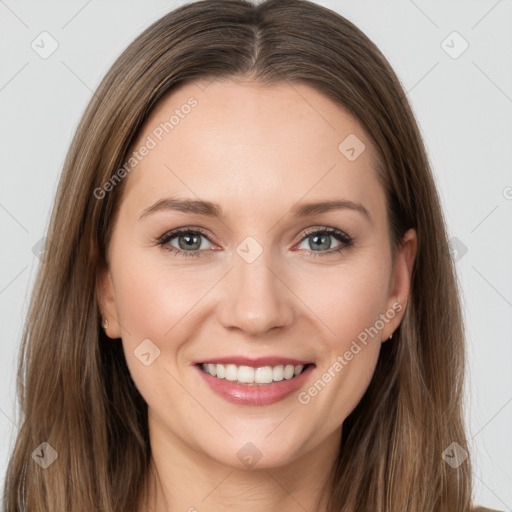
262	394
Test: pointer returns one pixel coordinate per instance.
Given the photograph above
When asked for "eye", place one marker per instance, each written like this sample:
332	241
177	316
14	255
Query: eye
190	242
185	242
320	241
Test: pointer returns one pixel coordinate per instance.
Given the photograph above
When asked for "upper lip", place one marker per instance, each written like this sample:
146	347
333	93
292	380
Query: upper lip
254	362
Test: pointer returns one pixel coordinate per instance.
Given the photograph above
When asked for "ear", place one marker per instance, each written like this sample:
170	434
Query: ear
400	283
105	293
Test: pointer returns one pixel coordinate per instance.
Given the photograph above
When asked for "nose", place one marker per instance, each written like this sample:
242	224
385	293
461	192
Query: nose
255	297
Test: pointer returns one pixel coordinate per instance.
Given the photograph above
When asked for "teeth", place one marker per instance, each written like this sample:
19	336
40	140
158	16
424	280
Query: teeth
231	372
278	373
250	375
263	375
245	374
288	371
221	371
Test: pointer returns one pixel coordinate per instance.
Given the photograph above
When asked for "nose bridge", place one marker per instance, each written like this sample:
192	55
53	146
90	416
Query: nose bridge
255	299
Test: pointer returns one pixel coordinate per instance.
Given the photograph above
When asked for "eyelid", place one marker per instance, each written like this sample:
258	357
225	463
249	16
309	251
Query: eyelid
341	236
323	229
187	229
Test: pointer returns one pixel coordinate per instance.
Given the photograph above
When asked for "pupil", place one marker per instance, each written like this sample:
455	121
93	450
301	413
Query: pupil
325	244
190	242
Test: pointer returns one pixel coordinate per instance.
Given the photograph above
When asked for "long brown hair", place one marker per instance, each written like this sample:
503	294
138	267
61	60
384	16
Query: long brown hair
75	390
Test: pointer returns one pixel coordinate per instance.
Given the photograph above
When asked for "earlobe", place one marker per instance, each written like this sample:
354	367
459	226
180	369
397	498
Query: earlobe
105	294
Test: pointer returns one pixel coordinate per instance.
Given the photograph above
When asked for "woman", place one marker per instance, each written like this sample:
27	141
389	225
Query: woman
248	299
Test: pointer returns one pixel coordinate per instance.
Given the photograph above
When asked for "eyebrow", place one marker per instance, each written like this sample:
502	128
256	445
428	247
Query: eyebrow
215	210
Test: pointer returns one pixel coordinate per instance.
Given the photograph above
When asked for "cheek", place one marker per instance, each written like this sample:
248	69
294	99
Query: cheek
347	298
160	303
153	300
349	304
154	306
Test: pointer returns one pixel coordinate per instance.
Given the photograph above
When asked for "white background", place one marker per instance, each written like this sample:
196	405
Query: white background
464	109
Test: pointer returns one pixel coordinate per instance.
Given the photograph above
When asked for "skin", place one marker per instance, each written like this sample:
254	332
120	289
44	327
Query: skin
257	151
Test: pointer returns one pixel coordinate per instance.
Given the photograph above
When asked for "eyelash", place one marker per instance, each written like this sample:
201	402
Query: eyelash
346	241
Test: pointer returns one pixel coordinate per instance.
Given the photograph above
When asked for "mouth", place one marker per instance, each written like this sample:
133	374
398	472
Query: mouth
264	375
255	382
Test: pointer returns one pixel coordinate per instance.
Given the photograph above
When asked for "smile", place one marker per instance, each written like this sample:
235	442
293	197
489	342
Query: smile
264	383
251	375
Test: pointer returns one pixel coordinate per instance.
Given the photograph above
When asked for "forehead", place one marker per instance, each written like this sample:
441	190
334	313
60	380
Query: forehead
230	142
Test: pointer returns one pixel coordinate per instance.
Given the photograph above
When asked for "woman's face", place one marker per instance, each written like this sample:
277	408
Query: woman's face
256	275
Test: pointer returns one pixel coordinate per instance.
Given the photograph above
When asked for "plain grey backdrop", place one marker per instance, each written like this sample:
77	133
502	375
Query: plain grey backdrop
453	59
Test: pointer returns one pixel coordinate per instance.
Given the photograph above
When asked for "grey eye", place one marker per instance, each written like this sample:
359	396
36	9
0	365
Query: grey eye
188	241
318	241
